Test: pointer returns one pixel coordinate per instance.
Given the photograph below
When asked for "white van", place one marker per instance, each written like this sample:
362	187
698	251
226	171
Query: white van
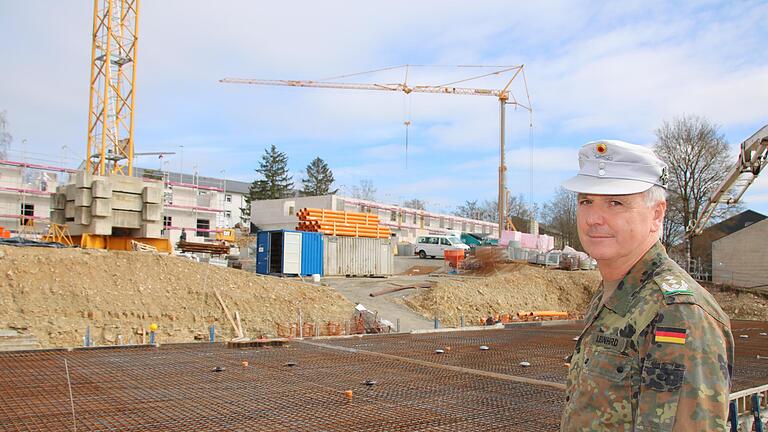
435	245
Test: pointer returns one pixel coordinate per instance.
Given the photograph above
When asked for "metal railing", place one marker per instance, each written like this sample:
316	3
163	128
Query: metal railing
749	410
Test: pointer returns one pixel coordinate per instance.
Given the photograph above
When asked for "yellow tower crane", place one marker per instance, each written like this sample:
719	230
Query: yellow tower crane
112	96
504	96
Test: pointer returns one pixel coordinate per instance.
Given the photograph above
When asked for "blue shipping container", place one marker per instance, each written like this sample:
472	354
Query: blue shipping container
289	252
311	253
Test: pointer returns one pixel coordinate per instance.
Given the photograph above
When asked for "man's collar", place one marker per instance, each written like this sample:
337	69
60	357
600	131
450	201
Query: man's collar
640	273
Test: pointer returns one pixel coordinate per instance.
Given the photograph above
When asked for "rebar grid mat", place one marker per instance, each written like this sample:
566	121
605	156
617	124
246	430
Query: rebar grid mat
302	387
751	353
545	348
176	388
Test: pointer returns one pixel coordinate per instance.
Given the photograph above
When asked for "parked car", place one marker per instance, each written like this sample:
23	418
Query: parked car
472	240
435	245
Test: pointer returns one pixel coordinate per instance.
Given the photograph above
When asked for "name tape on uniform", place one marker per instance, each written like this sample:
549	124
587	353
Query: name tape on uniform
617	343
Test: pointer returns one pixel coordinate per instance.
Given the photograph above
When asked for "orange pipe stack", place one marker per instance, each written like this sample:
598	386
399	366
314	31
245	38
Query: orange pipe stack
339	223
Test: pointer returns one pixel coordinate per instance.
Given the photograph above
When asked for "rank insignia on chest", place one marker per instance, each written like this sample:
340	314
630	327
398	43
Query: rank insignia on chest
670	335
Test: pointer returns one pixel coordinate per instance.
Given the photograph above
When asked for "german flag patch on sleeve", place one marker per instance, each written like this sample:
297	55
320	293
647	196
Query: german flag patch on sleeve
670	335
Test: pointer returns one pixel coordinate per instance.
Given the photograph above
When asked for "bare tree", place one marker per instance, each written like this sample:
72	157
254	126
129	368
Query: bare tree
471	210
415	204
365	191
516	207
560	214
697	156
5	136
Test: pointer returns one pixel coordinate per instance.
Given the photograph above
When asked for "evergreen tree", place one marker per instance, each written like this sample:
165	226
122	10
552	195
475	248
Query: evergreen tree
277	182
319	179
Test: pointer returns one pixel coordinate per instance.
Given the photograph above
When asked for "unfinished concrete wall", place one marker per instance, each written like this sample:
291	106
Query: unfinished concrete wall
740	258
281	213
115	205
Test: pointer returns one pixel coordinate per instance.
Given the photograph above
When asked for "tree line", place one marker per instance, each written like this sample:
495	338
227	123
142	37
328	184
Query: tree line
277	181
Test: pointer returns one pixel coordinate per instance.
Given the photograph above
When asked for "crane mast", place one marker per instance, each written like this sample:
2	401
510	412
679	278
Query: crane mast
112	96
504	96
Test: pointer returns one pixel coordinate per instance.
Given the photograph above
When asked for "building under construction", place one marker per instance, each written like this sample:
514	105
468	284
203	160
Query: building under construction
200	205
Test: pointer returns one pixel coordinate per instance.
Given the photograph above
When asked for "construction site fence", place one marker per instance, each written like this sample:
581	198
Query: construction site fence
329	328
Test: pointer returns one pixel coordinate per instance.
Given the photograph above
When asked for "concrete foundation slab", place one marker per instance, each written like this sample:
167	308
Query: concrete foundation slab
69	209
59	200
83	215
125	184
126	201
101	207
76	230
126	219
57	217
100	225
152	195
83	198
151	230
152	212
83	180
101	188
70	191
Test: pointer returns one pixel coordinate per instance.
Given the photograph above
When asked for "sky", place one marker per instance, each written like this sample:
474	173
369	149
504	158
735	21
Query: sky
594	70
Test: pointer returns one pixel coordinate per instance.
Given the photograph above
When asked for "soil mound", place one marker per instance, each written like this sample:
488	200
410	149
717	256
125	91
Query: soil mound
54	294
506	289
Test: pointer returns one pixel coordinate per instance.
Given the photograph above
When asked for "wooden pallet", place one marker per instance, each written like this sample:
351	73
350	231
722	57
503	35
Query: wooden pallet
256	343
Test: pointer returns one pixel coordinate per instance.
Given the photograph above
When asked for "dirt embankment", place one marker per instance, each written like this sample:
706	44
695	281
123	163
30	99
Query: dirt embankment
509	289
55	293
740	303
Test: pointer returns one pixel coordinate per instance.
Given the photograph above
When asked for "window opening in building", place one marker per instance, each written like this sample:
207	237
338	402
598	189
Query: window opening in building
27	213
228	198
203	227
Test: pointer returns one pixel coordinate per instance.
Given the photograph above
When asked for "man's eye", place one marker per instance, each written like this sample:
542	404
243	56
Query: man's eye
615	203
584	202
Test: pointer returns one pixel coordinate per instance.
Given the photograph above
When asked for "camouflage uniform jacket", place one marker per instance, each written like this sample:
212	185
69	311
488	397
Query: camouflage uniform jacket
657	356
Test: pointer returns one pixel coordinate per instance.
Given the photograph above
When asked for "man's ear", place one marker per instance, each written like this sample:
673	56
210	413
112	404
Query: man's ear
659	210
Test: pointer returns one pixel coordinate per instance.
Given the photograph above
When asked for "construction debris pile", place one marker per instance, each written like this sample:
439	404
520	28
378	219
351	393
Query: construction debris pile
504	289
54	294
340	223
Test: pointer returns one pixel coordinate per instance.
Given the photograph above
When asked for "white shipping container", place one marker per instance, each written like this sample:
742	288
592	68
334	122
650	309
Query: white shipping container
357	256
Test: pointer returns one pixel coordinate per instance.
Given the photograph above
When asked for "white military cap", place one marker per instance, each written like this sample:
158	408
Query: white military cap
610	167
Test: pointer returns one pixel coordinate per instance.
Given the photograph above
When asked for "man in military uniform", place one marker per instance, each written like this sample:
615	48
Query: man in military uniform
657	351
